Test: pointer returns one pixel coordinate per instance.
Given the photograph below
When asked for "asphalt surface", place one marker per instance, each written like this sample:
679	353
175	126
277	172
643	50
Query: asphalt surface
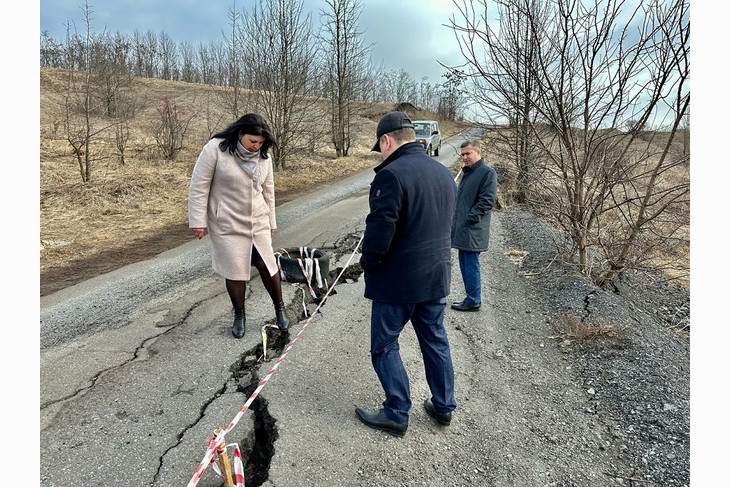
138	366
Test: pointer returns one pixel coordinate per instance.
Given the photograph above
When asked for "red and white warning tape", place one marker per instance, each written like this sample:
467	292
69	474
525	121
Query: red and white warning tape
218	439
282	275
308	264
307	276
239	479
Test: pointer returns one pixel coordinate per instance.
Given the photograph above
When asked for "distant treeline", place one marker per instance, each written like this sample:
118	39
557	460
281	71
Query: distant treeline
151	55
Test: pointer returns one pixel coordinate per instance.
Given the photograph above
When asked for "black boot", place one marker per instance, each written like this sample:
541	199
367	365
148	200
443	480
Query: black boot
239	323
282	320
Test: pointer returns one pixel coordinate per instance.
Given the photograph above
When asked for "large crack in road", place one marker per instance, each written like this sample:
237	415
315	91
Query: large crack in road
258	446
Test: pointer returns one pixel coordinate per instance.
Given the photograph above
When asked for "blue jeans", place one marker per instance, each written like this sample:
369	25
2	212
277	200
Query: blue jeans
386	323
471	275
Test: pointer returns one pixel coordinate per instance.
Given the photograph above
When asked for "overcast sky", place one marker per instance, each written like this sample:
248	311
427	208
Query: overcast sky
406	34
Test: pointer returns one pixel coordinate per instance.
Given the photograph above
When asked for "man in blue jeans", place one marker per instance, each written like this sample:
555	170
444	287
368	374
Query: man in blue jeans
406	257
475	199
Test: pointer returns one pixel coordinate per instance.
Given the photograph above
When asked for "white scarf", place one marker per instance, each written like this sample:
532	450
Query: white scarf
249	162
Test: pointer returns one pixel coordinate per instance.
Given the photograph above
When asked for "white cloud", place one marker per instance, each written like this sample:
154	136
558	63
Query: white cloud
411	35
406	34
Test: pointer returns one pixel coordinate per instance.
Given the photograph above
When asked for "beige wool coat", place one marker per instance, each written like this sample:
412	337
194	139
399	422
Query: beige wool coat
224	199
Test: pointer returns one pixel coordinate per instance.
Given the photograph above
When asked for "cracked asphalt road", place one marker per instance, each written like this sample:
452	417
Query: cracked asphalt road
138	368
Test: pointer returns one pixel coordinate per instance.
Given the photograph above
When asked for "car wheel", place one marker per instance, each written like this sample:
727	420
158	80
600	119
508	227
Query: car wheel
436	152
429	151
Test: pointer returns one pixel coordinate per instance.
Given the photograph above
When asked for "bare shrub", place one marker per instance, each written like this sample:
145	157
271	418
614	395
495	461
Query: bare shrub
571	327
171	128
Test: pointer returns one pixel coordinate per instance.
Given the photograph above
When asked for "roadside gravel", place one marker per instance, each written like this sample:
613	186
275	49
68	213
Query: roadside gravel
636	384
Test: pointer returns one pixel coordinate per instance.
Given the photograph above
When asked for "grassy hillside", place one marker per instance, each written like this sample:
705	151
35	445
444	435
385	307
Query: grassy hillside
130	212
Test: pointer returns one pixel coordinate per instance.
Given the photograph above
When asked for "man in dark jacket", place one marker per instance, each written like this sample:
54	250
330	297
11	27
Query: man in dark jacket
406	256
475	199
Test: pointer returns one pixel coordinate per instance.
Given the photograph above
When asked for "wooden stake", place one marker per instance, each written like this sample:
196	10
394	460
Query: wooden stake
223	457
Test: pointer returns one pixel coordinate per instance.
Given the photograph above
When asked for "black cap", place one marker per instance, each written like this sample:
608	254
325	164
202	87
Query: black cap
390	122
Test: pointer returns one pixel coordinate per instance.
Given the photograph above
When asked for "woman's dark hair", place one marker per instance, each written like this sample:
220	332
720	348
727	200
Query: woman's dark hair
251	124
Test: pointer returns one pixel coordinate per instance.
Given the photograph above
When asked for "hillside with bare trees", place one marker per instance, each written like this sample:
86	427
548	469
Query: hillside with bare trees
133	205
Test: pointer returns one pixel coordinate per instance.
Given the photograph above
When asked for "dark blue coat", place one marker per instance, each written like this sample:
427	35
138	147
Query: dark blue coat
406	250
474	202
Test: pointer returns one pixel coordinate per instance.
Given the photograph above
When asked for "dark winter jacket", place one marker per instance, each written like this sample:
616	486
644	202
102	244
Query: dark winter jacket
406	250
475	199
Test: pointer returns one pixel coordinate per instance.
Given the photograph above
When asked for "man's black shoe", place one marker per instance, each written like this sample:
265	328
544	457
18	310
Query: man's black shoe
462	306
441	418
378	420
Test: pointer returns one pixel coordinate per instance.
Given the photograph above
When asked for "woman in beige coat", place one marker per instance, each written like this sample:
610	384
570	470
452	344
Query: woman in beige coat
232	196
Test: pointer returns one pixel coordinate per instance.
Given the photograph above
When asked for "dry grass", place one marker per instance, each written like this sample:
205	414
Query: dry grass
132	212
572	328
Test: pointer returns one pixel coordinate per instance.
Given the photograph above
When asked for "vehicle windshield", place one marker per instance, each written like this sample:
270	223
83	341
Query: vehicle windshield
422	129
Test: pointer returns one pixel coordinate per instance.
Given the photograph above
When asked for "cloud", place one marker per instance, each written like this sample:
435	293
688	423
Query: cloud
181	20
411	36
405	34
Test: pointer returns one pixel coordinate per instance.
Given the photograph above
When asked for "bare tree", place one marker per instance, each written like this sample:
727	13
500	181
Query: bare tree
126	107
503	80
168	57
346	53
685	134
452	98
595	68
383	91
427	97
138	53
146	54
171	127
125	114
205	64
51	52
111	73
396	86
112	86
387	89
80	103
188	67
405	86
235	60
213	63
219	55
280	57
